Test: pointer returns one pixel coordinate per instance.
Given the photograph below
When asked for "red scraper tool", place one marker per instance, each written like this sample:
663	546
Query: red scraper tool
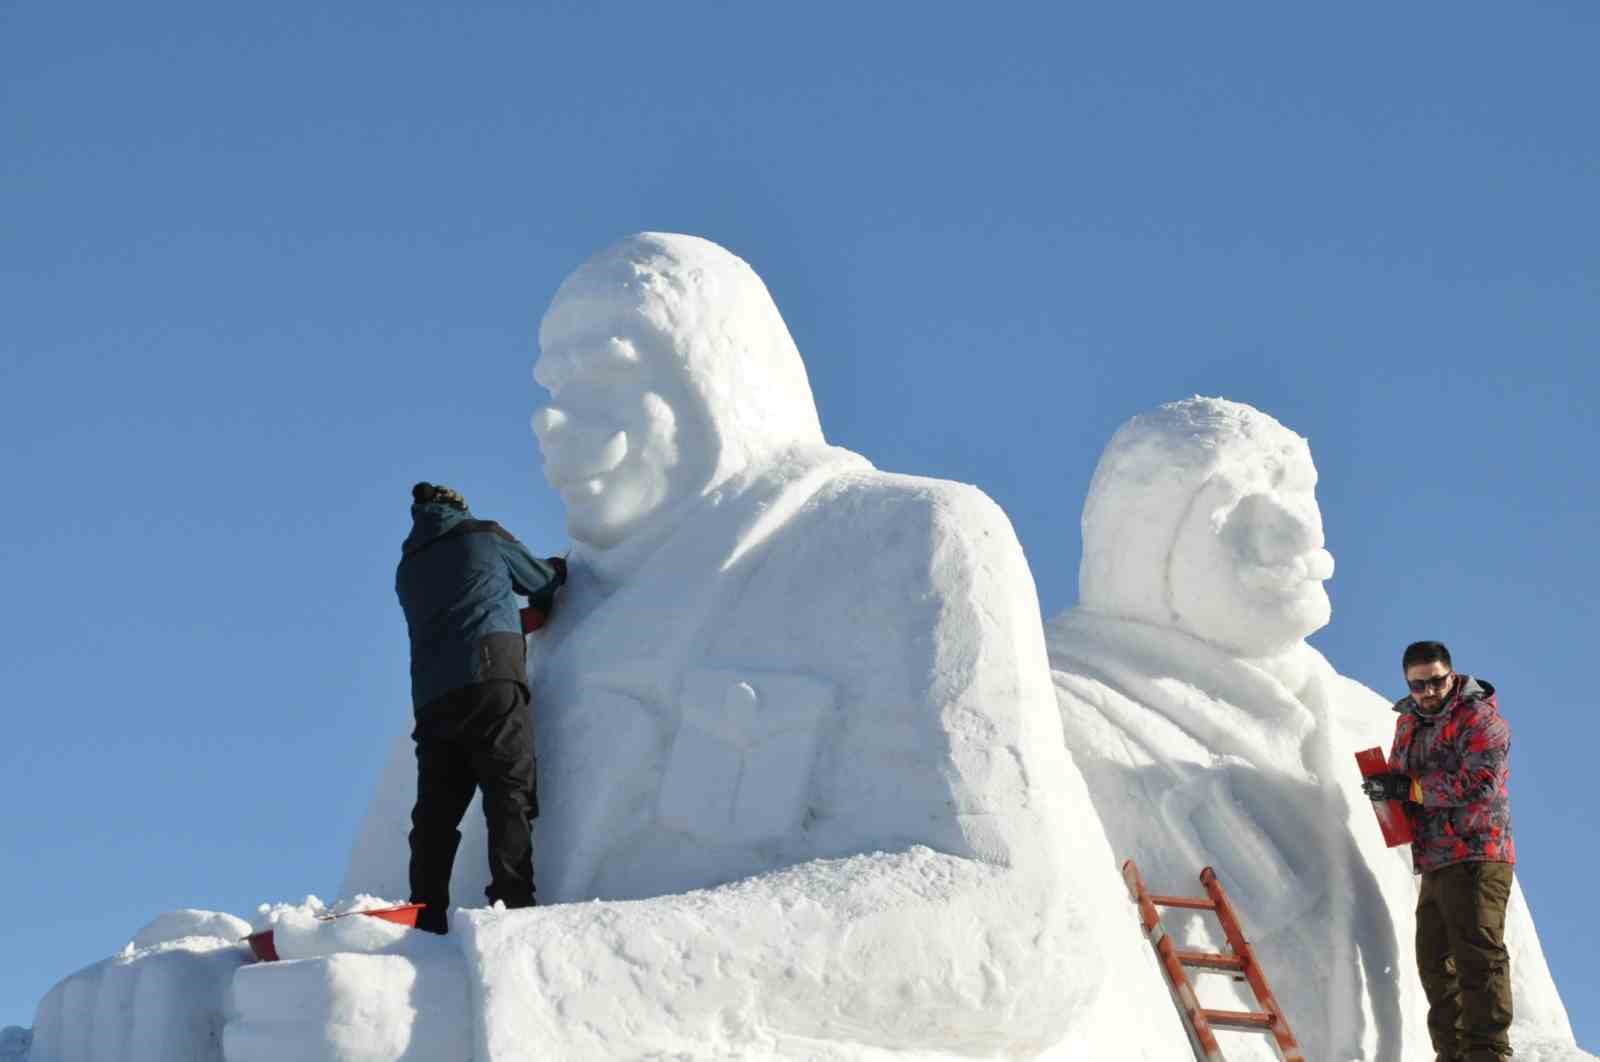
1391	813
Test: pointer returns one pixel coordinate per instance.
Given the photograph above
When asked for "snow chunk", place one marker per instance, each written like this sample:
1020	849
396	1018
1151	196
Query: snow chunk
352	1007
268	915
176	925
301	936
349	988
151	1004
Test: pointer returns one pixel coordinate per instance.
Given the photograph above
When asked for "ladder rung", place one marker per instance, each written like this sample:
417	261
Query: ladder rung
1183	901
1244	1019
1214	960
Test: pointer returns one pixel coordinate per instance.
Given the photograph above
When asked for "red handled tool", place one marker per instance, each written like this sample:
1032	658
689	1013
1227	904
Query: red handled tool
1391	813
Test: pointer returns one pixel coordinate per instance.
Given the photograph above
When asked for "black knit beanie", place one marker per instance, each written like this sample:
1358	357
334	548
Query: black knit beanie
433	494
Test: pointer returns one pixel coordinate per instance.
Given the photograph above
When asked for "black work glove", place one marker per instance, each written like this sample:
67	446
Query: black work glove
560	565
1387	787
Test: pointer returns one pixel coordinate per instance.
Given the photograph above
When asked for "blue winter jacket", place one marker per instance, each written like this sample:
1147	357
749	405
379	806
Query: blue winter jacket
458	580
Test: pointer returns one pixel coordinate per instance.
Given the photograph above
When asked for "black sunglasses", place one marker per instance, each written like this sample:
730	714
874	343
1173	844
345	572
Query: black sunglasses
1438	682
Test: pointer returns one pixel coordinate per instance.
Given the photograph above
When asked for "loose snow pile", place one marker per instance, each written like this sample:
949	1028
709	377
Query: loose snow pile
804	789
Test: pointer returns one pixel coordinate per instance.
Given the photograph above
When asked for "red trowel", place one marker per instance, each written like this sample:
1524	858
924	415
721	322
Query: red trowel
1391	813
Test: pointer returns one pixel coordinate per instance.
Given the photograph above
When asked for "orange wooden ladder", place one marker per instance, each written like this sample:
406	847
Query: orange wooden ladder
1198	1020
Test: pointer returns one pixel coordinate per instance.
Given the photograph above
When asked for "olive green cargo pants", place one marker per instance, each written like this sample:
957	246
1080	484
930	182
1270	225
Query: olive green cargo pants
1461	955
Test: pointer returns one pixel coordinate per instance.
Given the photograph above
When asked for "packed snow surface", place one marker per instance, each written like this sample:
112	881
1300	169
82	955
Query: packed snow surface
807	789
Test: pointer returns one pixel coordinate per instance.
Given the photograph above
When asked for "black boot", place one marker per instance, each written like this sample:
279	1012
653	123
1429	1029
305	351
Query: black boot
432	919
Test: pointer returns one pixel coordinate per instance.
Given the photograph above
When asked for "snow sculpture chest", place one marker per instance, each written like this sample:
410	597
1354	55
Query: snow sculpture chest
649	787
663	766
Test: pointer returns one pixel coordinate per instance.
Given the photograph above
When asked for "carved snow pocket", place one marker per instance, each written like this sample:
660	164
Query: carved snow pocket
741	762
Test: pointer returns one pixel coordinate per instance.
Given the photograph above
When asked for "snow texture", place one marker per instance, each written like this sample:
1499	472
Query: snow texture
803	784
176	925
1211	734
157	1003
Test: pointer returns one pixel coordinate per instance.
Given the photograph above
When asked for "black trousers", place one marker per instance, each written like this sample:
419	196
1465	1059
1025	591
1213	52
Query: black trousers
478	737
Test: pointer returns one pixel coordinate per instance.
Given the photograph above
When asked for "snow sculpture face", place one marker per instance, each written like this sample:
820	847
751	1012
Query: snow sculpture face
670	371
1203	516
621	439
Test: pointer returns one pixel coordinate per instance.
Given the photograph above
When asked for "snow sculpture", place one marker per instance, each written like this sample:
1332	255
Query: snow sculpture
1211	733
796	709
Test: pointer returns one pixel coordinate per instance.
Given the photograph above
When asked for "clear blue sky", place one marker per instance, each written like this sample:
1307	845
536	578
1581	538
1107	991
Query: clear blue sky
264	266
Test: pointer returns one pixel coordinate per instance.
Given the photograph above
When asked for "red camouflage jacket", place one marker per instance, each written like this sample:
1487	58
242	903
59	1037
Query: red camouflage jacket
1461	756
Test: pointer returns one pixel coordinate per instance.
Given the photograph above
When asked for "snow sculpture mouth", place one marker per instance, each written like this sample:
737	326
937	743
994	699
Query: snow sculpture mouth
1292	577
573	473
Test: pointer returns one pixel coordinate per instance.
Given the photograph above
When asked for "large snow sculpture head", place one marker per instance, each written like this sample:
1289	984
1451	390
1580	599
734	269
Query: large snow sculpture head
1203	516
670	371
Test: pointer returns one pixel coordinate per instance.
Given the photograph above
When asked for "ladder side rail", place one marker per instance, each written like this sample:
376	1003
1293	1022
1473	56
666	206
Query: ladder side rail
1201	1036
1287	1046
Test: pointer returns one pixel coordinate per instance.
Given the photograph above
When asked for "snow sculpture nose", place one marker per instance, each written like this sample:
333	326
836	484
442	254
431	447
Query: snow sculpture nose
1264	530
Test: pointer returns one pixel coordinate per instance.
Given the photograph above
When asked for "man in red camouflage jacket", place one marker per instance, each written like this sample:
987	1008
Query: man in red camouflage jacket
1449	763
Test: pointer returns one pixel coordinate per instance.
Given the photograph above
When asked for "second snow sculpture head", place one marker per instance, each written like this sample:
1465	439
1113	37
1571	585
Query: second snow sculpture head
670	371
1203	516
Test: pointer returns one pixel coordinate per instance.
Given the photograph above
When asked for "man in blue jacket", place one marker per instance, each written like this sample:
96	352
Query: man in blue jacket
457	582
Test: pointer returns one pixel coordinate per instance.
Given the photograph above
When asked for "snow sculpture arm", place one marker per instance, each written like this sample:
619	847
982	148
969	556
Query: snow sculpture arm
1483	747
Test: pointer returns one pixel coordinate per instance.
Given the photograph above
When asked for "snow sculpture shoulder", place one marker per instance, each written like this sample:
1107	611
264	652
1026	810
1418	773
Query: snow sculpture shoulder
1210	733
798	709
